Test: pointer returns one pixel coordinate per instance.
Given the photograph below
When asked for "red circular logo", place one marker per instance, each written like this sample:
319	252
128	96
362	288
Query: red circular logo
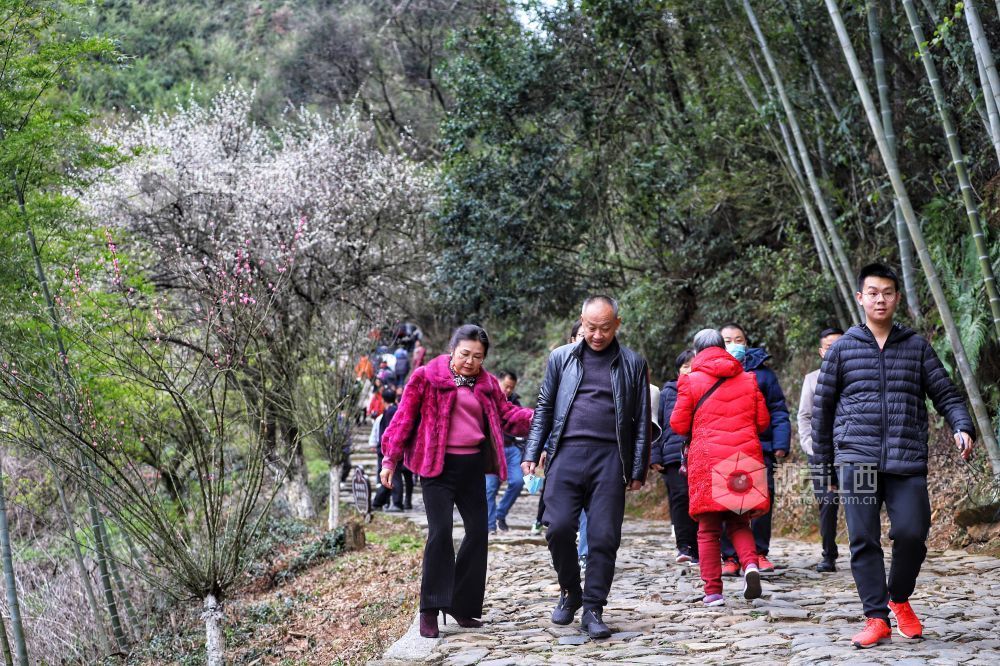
740	482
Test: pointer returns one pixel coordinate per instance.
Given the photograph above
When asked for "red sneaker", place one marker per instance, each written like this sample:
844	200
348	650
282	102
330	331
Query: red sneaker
730	567
764	564
907	623
876	632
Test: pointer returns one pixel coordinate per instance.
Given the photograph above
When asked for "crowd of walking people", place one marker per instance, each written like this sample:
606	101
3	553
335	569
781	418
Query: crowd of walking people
714	434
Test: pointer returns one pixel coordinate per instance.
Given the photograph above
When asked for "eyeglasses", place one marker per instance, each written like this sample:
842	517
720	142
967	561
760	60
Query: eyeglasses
465	356
888	294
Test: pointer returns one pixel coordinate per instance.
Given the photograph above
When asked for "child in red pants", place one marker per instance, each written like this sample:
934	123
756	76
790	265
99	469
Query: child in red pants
723	410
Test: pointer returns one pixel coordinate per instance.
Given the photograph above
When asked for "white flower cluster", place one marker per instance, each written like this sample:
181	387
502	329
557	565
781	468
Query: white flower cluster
310	204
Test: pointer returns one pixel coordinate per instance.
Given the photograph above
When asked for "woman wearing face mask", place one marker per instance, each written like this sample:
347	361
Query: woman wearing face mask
775	441
449	430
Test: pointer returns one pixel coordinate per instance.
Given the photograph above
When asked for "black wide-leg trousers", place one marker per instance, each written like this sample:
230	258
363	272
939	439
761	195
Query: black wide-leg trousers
455	583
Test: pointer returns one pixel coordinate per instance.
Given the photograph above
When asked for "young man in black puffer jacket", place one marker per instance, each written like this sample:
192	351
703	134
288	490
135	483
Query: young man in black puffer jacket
870	420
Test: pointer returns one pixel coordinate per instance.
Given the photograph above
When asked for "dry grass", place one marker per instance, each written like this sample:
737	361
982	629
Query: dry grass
346	610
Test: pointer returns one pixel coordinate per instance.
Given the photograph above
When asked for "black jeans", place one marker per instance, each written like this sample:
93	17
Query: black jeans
761	525
450	582
585	477
863	492
826	501
685	529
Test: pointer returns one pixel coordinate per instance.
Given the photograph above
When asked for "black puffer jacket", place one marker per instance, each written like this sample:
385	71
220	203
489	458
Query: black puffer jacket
870	406
667	448
630	386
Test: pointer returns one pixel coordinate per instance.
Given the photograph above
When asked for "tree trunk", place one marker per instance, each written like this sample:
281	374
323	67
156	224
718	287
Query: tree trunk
296	483
958	161
10	583
215	641
804	158
902	235
940	300
333	519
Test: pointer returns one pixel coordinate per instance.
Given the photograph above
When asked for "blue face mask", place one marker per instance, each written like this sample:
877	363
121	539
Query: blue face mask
739	352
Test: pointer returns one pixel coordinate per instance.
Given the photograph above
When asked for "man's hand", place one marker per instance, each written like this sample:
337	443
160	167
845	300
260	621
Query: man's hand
385	477
965	444
657	467
780	453
528	468
635	484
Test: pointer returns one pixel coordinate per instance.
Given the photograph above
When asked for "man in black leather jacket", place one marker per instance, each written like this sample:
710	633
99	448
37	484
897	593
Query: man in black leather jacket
593	418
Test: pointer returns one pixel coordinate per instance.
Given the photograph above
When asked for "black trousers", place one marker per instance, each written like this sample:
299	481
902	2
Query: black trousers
450	582
685	529
585	477
402	487
761	525
826	501
863	492
541	507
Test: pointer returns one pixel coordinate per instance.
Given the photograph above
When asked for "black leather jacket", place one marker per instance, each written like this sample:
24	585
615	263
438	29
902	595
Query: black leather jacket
630	386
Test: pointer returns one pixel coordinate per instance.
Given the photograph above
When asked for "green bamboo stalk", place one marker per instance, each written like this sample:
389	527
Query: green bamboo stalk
937	291
97	527
958	162
95	516
991	84
81	568
804	157
902	235
10	583
133	616
991	106
794	171
8	658
985	105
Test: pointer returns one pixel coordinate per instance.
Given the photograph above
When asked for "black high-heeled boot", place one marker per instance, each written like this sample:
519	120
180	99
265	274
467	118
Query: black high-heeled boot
429	624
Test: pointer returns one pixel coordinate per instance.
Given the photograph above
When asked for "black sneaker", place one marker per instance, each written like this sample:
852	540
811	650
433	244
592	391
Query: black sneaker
593	624
826	566
569	603
502	525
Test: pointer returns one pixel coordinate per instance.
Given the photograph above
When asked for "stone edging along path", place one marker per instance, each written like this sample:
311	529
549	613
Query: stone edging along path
656	613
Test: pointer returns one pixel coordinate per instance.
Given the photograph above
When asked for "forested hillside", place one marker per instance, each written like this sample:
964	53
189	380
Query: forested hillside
212	209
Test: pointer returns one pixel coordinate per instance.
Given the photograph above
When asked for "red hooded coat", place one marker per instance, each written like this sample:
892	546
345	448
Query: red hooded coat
724	435
418	434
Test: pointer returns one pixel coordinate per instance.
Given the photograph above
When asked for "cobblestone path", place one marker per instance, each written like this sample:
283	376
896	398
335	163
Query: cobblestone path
655	610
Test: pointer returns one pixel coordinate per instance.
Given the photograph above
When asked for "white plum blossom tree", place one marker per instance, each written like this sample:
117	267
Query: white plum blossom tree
209	176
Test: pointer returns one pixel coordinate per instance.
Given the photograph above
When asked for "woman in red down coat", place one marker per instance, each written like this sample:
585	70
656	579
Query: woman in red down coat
727	478
449	430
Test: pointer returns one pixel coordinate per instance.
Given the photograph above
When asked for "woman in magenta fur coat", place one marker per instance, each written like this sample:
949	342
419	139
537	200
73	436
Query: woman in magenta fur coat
449	430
